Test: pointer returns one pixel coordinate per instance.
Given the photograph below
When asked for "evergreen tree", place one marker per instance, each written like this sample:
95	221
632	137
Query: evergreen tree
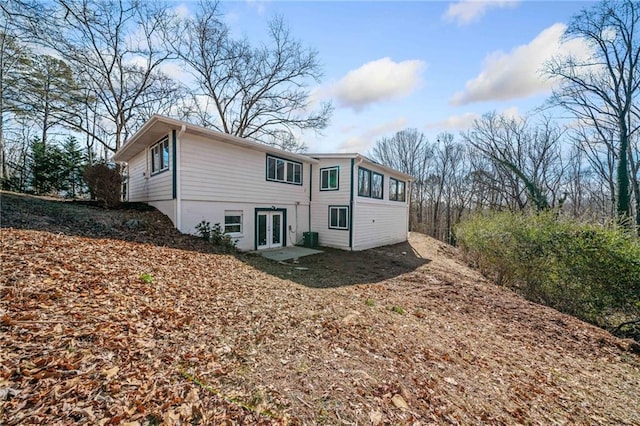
74	165
47	166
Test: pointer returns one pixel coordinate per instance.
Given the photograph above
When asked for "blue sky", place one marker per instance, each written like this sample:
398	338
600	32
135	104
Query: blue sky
434	66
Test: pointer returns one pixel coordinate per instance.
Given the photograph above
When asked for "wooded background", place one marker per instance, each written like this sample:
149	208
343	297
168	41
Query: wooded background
77	78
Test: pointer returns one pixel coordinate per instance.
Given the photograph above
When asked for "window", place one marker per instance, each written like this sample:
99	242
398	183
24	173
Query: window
286	171
376	185
370	183
329	179
364	182
232	222
396	190
339	217
160	156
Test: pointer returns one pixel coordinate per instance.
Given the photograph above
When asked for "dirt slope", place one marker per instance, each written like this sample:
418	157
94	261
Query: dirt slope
146	326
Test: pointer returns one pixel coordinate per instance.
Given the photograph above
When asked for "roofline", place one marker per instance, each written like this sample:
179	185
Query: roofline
364	159
204	131
242	142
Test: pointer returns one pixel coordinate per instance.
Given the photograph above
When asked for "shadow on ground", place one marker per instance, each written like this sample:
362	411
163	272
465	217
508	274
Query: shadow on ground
336	268
137	222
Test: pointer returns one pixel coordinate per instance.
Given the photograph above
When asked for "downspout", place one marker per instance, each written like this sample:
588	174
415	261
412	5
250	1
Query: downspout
178	180
352	201
408	220
310	192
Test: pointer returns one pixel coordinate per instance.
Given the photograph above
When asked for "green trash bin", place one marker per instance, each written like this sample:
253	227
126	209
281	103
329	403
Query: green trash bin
310	239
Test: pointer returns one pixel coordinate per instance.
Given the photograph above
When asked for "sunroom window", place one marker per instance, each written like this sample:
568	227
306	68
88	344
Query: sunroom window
397	190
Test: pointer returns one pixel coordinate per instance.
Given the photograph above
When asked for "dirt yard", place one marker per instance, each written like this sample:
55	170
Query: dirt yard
112	317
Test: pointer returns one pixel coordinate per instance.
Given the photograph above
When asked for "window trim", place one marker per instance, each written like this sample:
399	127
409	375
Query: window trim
363	169
160	144
396	182
381	197
229	213
329	170
371	173
287	163
347	219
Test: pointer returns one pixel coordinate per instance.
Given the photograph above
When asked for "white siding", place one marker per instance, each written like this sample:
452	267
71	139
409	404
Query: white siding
194	212
146	187
217	176
217	171
321	201
137	183
379	222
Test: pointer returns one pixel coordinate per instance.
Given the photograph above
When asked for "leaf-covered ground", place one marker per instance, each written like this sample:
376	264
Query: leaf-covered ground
144	326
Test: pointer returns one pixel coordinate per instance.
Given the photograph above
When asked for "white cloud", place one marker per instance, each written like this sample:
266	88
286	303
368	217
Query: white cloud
454	122
468	11
182	11
258	5
517	74
364	141
512	112
465	121
377	81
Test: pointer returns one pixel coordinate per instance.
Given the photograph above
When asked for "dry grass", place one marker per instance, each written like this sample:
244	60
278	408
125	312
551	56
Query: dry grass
206	338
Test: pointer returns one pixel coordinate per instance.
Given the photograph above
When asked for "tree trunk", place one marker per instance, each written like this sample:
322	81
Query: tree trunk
623	200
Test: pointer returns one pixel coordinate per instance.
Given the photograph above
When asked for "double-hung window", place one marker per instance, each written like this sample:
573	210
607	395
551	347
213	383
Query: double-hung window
370	183
160	156
397	190
329	179
286	171
232	222
339	217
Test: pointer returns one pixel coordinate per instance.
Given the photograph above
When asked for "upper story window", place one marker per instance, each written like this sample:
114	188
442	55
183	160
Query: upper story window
160	156
396	190
329	179
370	183
286	171
377	183
364	182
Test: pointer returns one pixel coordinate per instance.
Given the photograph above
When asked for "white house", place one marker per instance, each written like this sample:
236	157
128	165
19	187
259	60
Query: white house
262	196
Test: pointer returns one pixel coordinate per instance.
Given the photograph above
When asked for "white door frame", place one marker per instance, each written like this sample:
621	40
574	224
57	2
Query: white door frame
273	218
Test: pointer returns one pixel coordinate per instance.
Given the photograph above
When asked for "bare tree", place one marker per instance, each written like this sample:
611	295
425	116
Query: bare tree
114	46
408	151
48	92
260	92
525	159
603	88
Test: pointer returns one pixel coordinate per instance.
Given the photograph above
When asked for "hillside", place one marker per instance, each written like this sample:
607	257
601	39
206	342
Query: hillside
110	317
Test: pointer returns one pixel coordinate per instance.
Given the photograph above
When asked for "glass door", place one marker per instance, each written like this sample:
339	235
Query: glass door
269	230
276	229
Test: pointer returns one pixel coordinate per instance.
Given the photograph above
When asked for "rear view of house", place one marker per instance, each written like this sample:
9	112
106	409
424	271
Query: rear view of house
261	196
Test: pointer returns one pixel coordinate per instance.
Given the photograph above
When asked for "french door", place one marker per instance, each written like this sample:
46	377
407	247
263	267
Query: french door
269	229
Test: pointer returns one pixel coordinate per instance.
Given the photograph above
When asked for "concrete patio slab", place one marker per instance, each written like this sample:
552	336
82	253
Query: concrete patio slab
288	253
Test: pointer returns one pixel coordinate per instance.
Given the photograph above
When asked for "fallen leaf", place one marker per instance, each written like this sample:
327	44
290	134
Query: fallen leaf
399	402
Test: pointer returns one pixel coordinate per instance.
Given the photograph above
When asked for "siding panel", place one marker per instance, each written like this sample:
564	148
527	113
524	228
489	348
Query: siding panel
321	201
147	188
378	224
218	171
